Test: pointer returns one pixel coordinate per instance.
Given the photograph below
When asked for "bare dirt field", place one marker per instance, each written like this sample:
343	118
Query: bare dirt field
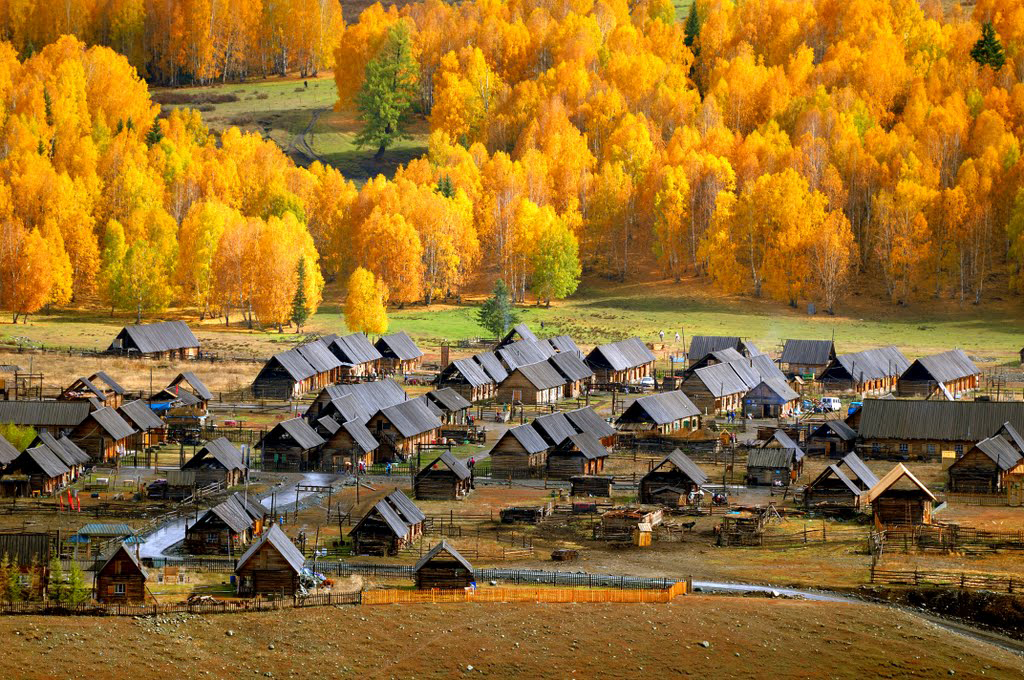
747	638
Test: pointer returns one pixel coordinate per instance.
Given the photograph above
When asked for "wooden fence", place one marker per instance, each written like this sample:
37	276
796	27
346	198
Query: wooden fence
987	499
951	538
254	604
553	595
947	579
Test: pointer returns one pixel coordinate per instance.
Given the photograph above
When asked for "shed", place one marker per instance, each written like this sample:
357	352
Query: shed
771	467
661	413
217	461
899	498
121	578
391	524
398	353
222	530
840	484
834	438
982	469
672	480
621	362
443	568
578	454
807	358
591	485
163	340
949	372
270	566
291	445
151	429
444	478
520	452
450	406
188	380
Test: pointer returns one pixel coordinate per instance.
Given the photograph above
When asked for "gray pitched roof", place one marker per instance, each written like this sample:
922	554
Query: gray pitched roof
412	417
448	399
253	508
7	452
449	461
965	421
808	352
1013	435
524	352
943	367
354	349
370	397
141	415
564	343
721	380
193	380
726	354
319	356
684	464
80	387
277	539
389	515
492	366
771	458
585	443
570	366
63	448
103	377
443	546
619	356
112	423
398	346
838	427
360	435
780	388
130	552
786	442
300	432
528	438
763	365
472	372
1000	451
51	413
541	375
405	507
860	471
327	424
554	427
521	330
703	345
586	420
222	451
159	337
664	407
232	514
833	470
46	460
294	364
872	364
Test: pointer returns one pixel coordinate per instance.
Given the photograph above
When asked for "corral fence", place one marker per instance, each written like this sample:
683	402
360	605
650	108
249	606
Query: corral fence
553	595
982	499
255	604
947	579
951	538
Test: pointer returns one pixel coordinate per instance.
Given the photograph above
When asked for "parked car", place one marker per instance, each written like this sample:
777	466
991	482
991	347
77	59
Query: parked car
647	382
832	403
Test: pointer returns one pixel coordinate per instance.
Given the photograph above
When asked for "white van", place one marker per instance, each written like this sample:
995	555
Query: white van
832	403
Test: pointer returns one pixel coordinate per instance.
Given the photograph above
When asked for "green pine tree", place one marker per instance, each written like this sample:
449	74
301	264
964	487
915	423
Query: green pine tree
389	90
300	312
56	587
496	314
692	28
77	590
445	187
988	51
155	134
48	107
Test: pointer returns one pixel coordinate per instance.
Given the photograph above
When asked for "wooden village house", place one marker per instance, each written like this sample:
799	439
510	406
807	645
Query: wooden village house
69	453
188	381
717	388
873	371
36	471
777	462
983	468
840	485
900	499
594	486
948	375
150	430
328	368
224	529
623	362
164	340
356	401
184	402
469	379
537	383
663	413
443	568
270	566
399	354
771	398
517	333
390	525
121	578
585	419
104	435
286	375
29	554
449	406
291	445
99	389
703	345
576	374
445	478
359	358
401	428
578	454
807	358
218	461
348	443
671	481
833	439
520	452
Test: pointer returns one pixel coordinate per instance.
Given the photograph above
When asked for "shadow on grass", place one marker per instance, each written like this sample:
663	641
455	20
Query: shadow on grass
360	165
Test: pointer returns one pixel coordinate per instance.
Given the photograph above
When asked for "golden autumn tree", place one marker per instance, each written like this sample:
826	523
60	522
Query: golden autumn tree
364	303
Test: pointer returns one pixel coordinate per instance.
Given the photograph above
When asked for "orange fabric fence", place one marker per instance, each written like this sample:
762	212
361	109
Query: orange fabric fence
554	595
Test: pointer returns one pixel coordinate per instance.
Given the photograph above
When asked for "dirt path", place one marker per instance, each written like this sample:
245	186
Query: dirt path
299	145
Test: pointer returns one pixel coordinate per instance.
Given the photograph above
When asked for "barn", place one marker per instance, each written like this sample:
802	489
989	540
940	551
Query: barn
390	525
291	445
578	454
983	468
537	383
443	479
840	484
399	354
270	566
948	374
217	461
833	439
151	430
594	486
222	530
873	371
286	375
359	358
121	578
662	413
899	498
443	568
621	362
807	358
164	340
519	453
671	481
771	398
468	378
404	426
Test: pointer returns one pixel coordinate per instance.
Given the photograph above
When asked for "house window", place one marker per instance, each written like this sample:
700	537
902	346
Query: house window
211	537
118	589
876	447
931	449
959	448
903	448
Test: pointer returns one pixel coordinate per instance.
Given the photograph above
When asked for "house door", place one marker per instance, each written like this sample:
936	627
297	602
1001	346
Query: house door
1015	493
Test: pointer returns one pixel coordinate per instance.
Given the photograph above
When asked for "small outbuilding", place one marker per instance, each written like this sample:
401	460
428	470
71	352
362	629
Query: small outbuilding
399	354
222	530
841	484
519	453
150	429
983	468
291	445
450	406
445	478
121	578
270	566
391	524
671	481
163	340
443	568
578	454
833	438
900	499
772	398
591	485
36	471
217	461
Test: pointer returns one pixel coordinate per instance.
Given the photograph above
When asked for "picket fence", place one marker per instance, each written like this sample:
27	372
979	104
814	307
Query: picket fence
549	595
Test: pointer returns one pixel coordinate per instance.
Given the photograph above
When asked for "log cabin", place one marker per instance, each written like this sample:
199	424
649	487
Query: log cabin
29	554
359	358
585	419
771	398
983	468
833	439
150	430
718	356
399	354
594	486
671	481
873	371
73	457
163	340
577	375
286	375
36	471
349	442
99	389
703	345
291	445
948	375
449	406
104	435
554	427
443	568
190	382
121	578
899	498
660	414
922	430
218	461
770	467
469	379
328	367
401	428
524	352
270	566
256	511
391	524
841	484
520	452
359	401
623	362
718	388
517	333
224	529
578	454
537	383
807	358
446	478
